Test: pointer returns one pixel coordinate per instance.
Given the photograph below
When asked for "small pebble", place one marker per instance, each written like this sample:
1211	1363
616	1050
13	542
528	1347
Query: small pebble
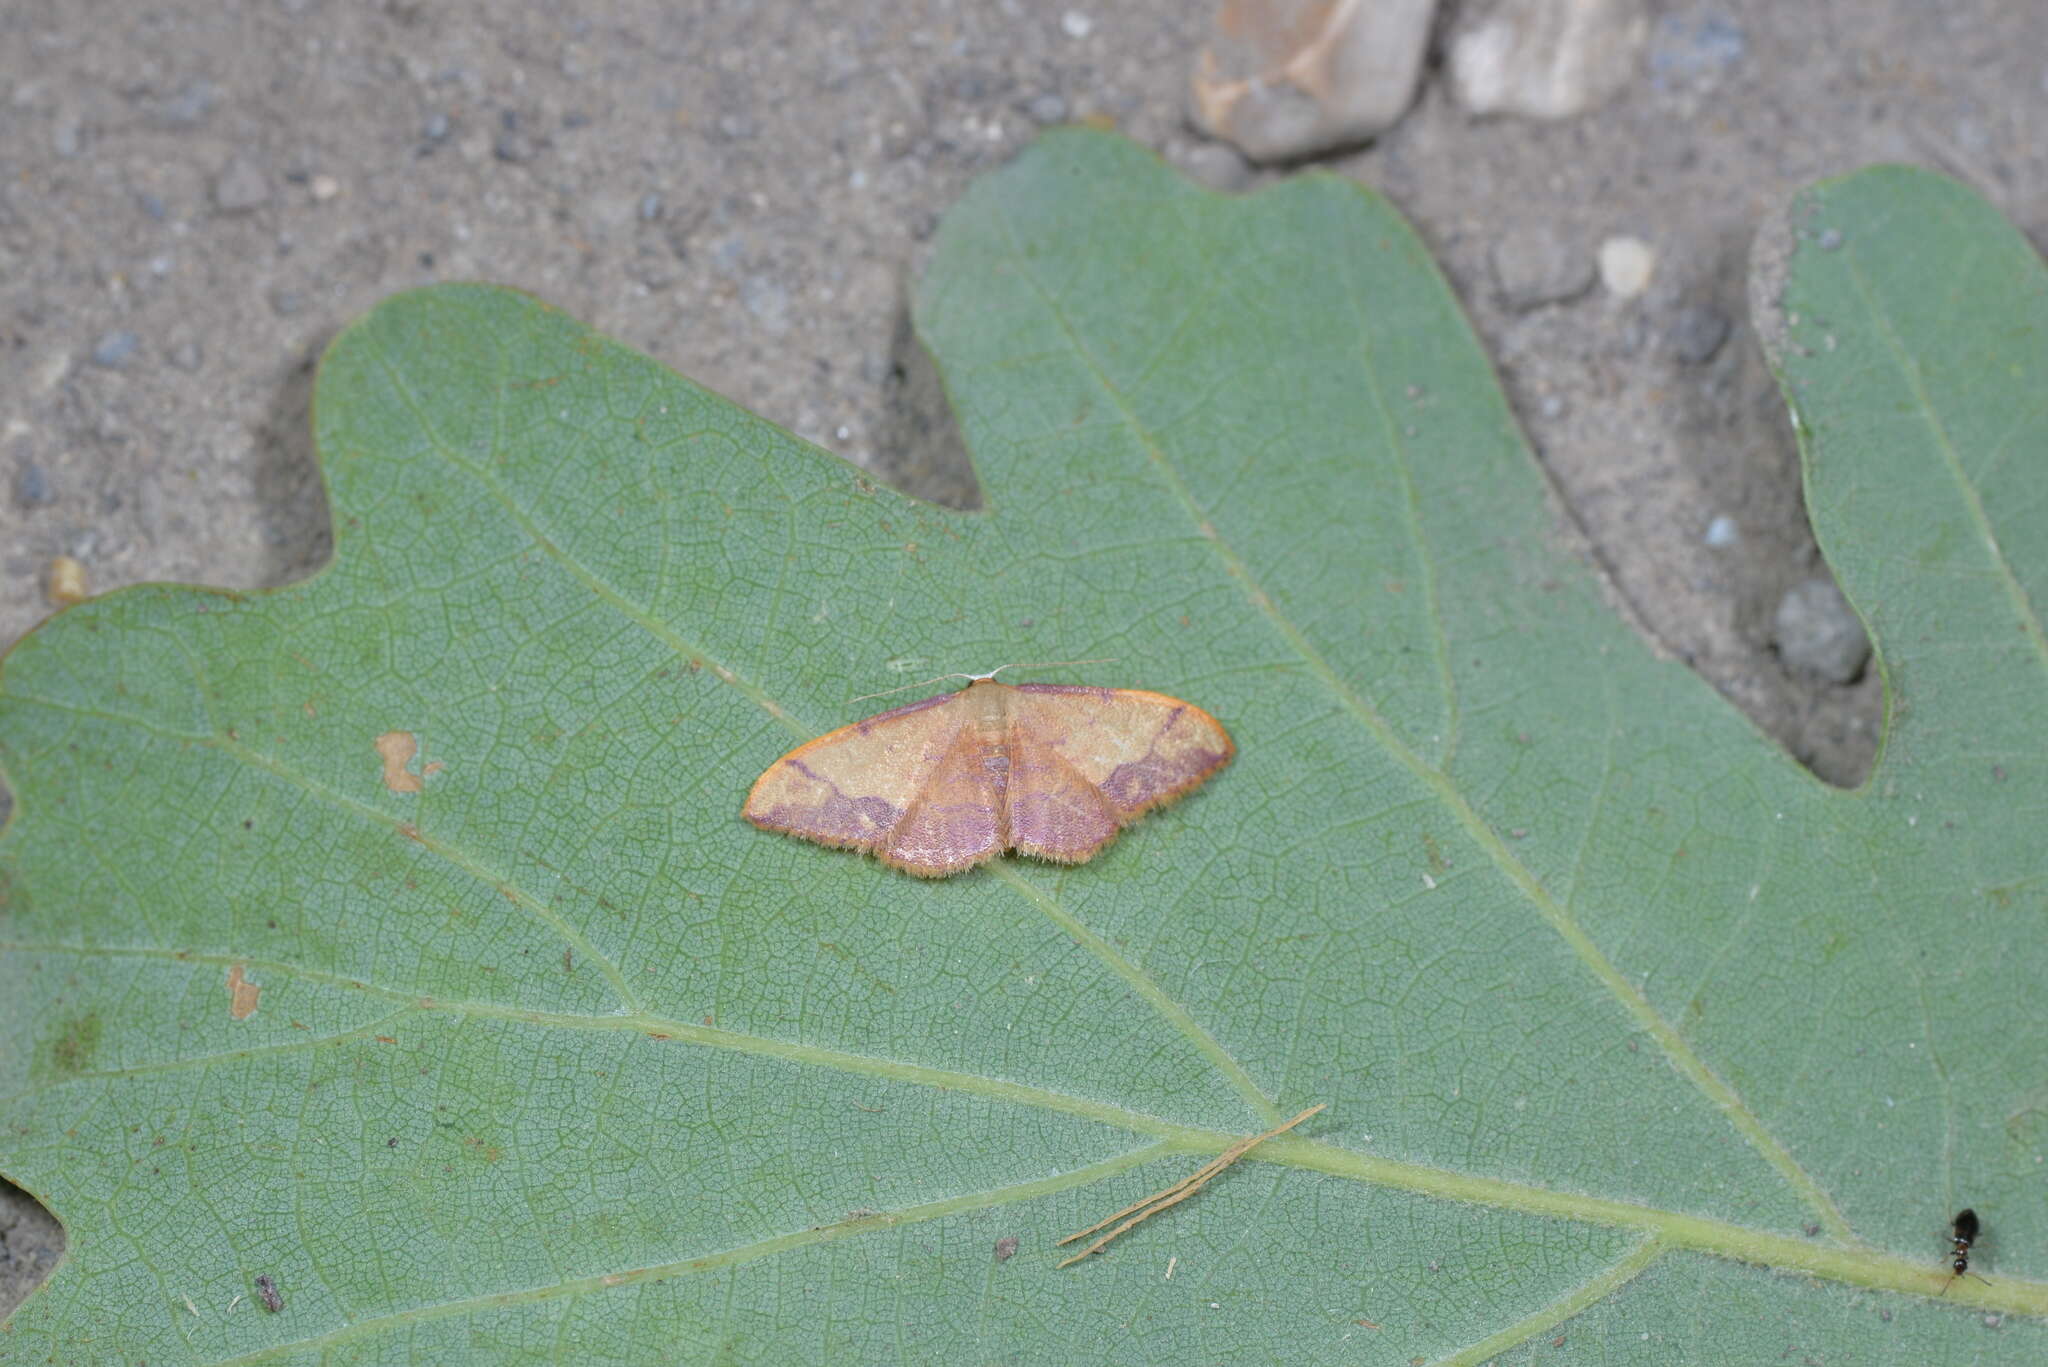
1697	333
32	486
1533	265
1076	24
650	208
186	356
512	143
1626	265
152	206
436	128
1546	59
190	105
240	187
115	349
1047	108
324	188
1218	165
67	139
1694	49
66	582
1818	632
284	303
765	298
1722	532
1283	79
1830	239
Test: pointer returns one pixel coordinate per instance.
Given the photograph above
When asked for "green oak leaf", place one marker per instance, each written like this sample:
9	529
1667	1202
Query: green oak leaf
394	935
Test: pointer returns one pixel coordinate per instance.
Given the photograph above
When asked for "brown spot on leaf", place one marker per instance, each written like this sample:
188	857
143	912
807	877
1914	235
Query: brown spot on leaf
1005	1247
242	994
397	748
267	1289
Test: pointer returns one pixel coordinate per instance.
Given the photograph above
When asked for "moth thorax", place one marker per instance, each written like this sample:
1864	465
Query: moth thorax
991	716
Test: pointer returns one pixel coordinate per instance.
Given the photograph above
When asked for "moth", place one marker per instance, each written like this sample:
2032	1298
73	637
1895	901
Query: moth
939	786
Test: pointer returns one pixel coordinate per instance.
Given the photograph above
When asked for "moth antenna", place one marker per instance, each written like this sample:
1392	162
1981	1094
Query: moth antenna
979	678
919	684
1043	664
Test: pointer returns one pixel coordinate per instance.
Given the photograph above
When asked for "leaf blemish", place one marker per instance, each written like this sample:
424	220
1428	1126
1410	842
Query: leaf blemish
77	1040
242	994
396	749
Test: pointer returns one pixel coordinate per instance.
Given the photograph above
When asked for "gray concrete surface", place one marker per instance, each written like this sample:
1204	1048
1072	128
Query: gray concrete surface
196	194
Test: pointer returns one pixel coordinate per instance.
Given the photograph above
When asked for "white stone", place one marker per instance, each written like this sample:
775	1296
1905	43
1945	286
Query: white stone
1547	59
1626	265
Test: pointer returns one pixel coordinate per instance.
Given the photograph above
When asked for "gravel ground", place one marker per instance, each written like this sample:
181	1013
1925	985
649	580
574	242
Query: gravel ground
197	195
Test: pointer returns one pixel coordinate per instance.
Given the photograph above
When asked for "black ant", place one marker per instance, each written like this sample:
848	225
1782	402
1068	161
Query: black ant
1962	1233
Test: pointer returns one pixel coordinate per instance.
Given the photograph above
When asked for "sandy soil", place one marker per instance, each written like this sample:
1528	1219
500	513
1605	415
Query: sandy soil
195	196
